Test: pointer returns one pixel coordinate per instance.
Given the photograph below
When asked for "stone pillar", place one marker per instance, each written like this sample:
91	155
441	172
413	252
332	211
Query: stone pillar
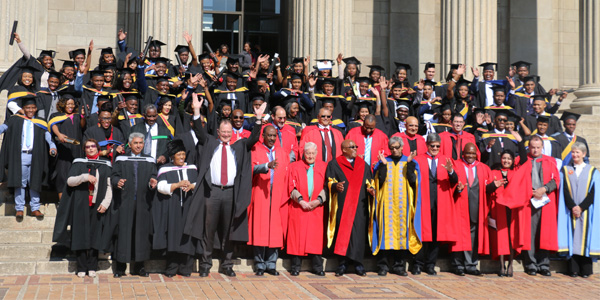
321	29
469	33
588	94
166	21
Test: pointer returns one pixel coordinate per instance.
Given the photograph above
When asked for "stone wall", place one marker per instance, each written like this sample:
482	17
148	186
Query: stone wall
370	33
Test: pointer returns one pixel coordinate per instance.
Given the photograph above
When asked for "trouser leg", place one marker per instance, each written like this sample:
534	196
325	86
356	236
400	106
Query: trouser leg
92	260
530	256
296	263
383	260
19	199
186	264
472	257
82	260
259	258
225	216
317	262
172	263
400	257
271	255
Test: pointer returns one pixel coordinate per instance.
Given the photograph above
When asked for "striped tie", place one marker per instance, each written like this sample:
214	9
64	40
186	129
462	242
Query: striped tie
368	150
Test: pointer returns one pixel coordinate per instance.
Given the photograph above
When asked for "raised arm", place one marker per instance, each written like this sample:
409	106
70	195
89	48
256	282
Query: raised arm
188	39
22	46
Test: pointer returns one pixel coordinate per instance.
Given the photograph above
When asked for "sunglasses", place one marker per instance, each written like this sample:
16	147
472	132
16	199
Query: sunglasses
434	146
395	147
237	117
90	146
352	147
502	120
326	117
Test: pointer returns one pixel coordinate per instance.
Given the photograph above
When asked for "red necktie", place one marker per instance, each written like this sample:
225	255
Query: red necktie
471	175
327	142
224	177
458	146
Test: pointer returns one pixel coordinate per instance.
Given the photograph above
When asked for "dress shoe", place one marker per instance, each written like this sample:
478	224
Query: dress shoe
340	271
37	214
186	275
92	274
228	272
360	271
474	272
260	272
416	270
399	272
585	276
294	273
459	272
118	275
545	272
573	274
143	273
382	272
19	215
531	272
501	274
170	275
203	272
272	272
431	271
319	273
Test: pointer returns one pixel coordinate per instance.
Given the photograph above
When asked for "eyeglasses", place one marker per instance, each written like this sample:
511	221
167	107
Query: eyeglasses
326	117
395	147
90	146
105	119
434	146
352	147
501	120
237	117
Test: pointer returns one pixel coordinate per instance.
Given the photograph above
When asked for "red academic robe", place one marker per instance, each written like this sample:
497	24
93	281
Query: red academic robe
305	229
265	226
421	145
379	142
499	237
313	134
462	223
520	189
238	136
463	139
288	135
445	201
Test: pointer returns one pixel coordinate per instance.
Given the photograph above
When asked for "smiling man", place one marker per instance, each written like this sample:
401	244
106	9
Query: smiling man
412	140
157	135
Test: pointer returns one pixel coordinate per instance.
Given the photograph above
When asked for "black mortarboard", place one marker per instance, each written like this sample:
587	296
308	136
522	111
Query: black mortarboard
107	97
488	66
328	80
296	76
50	53
161	78
370	105
533	78
397	84
74	53
126	71
498	88
233	59
363	79
331	100
521	63
182	48
28	69
174	147
203	56
108	66
351	60
164	98
429	65
543	119
376	68
68	63
95	73
406	67
255	96
298	60
538	97
54	74
28	99
479	110
569	115
232	75
132	96
512	117
462	82
454	66
156	44
502	112
162	60
429	83
107	50
68	93
261	77
106	106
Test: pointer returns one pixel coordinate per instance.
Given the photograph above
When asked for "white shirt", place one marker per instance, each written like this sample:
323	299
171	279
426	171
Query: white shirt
194	137
323	137
570	137
165	188
153	132
429	160
27	130
579	168
215	166
489	94
547	150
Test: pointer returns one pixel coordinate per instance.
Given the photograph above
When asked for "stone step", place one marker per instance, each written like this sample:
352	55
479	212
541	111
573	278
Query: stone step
8	209
11	252
29	236
28	222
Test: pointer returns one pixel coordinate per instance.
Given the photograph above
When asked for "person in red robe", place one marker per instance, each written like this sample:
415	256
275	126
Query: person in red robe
414	141
269	193
536	184
350	187
305	227
369	137
438	179
475	179
286	134
455	140
237	124
327	137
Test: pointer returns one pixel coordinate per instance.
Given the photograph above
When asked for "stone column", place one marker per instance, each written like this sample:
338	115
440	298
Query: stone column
321	29
469	33
588	94
166	21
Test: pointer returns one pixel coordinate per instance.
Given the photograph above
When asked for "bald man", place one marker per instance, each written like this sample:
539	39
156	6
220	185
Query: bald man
412	140
286	134
370	140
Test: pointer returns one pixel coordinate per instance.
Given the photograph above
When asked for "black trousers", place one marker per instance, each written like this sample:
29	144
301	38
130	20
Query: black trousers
468	260
316	262
179	263
396	259
219	210
427	256
134	267
87	260
581	265
344	261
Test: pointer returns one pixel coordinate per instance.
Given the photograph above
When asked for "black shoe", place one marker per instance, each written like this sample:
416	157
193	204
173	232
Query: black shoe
260	272
585	276
272	272
340	271
319	273
531	272
431	271
228	272
294	273
502	274
416	270
186	275
143	273
361	272
474	272
545	272
204	271
459	272
170	275
399	272
574	274
382	272
118	275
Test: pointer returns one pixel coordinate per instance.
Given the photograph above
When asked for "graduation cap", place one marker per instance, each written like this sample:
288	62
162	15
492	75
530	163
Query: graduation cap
363	79
161	60
261	77
533	78
74	53
538	97
351	60
479	110
502	112
54	74
107	97
132	96
182	48
156	44
331	100
429	65
454	66
106	106
370	105
296	76
543	119
569	115
107	66
161	78
329	80
68	63
400	66
324	64
380	69
520	64
203	56
107	50
174	147
232	75
69	93
298	60
233	59
95	73
257	96
488	66
513	117
50	53
498	88
122	55
125	71
429	83
397	85
462	82
164	98
28	69
29	99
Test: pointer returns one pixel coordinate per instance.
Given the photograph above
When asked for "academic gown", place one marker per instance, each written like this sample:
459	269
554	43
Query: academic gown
126	125
349	210
313	134
15	93
305	229
236	136
451	140
173	122
379	142
88	227
194	225
241	98
288	140
87	96
110	143
131	218
66	152
492	158
268	207
566	147
169	212
553	127
10	154
414	143
191	148
163	138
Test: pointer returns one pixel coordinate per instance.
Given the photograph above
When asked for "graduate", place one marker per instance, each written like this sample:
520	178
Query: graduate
168	115
110	138
27	165
350	75
25	87
412	140
494	142
234	95
518	73
327	91
484	89
269	194
48	97
304	224
438	89
128	116
538	110
237	123
157	136
176	183
350	188
453	141
185	52
568	137
327	138
89	94
86	197
370	141
551	146
578	229
396	222
134	184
